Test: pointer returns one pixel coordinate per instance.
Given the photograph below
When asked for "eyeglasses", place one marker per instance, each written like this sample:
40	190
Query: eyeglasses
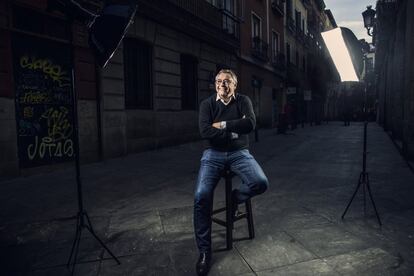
226	82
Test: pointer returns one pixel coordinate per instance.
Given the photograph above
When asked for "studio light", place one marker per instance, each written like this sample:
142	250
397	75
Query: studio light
106	31
345	53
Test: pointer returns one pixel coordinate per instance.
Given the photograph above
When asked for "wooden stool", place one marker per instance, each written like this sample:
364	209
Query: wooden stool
230	218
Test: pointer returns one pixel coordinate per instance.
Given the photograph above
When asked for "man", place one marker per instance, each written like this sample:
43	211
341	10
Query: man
225	120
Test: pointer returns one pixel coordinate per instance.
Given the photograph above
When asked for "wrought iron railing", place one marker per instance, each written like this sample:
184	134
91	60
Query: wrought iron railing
278	7
279	61
259	48
291	24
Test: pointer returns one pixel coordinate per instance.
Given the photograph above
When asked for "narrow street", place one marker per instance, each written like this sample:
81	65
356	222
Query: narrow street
141	207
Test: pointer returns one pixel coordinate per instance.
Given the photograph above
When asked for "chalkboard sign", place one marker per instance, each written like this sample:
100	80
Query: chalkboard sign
44	107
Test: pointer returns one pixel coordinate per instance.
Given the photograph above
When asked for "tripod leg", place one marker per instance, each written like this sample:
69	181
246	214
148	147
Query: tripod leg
76	250
89	227
364	180
373	203
75	241
352	198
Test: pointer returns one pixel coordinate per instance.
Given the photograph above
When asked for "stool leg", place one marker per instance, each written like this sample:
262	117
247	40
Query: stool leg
229	215
250	223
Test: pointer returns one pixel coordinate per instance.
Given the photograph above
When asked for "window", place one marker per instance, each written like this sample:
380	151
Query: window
229	22
288	53
297	59
229	6
304	63
189	82
39	23
256	26
138	74
275	45
298	19
289	8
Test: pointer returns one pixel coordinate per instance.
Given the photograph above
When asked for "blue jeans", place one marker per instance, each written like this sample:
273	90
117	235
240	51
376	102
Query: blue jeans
213	162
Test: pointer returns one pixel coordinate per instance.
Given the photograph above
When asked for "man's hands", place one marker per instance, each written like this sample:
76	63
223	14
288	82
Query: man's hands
217	125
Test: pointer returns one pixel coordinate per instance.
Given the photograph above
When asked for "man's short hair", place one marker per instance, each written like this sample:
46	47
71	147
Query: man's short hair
228	71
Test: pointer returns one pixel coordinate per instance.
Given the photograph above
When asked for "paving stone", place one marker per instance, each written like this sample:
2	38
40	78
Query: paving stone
370	261
327	240
141	207
151	263
310	268
273	250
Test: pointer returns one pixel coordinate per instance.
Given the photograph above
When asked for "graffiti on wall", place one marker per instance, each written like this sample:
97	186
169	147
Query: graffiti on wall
44	105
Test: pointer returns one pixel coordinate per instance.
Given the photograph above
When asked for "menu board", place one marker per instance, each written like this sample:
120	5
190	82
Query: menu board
44	102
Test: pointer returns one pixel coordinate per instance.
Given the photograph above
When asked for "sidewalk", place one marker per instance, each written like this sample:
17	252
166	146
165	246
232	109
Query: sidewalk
141	206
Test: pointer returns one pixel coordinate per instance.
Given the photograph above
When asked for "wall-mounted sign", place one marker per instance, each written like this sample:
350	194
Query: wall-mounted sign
43	100
291	90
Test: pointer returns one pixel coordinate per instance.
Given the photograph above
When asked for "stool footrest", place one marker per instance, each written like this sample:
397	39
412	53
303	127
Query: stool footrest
240	216
219	210
219	221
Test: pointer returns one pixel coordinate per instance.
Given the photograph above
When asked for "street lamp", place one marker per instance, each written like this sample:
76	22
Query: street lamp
369	19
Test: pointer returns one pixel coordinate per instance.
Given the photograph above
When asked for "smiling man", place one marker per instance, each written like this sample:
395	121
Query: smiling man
225	120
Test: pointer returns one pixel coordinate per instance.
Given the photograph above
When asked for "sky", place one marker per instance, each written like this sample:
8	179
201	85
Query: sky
348	13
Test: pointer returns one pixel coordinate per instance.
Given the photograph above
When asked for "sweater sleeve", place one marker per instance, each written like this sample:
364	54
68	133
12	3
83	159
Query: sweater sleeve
205	121
245	124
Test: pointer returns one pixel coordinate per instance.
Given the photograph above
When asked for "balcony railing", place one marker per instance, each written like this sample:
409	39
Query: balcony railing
230	24
308	41
201	9
300	35
259	48
278	7
278	61
291	24
307	2
197	18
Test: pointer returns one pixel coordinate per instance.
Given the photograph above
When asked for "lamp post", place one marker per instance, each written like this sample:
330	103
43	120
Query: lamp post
369	19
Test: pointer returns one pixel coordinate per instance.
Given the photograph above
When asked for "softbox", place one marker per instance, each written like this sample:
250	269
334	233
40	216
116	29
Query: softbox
108	29
346	52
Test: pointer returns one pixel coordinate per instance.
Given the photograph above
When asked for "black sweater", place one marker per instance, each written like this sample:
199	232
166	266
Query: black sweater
240	119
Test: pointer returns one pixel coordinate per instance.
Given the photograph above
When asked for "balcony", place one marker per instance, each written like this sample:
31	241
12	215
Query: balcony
278	7
196	18
307	3
259	49
278	61
290	22
308	41
300	35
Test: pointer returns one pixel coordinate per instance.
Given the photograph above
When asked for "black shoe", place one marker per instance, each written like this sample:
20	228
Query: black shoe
203	264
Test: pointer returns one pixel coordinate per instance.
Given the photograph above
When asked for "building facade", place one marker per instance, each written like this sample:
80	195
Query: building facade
148	94
146	97
261	58
394	43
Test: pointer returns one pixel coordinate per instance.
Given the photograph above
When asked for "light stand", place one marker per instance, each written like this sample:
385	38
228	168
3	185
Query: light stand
82	218
364	176
363	181
106	32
